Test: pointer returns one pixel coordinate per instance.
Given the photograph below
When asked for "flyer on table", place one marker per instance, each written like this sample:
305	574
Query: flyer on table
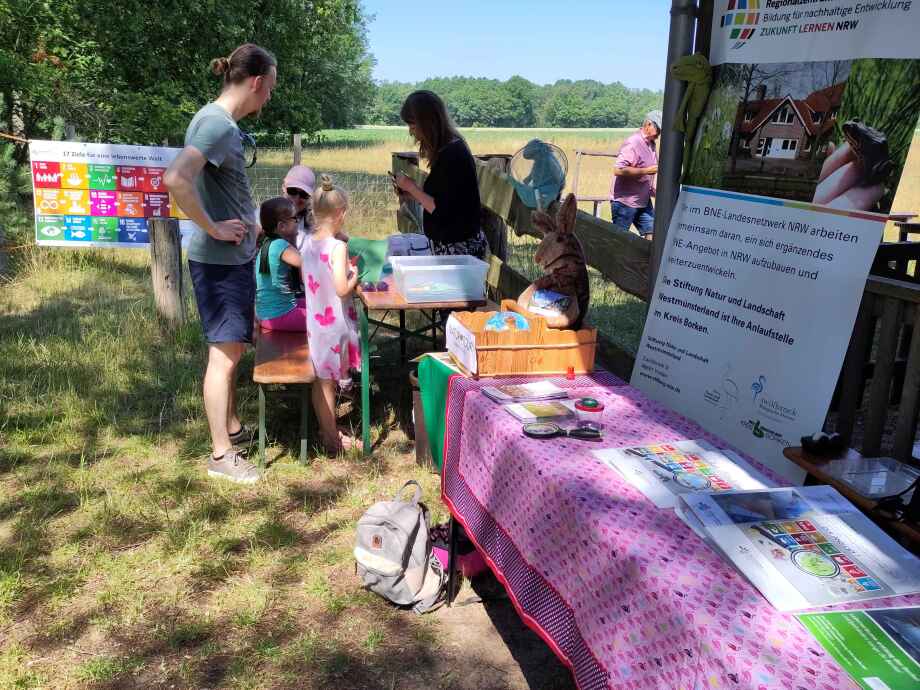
805	547
100	195
666	471
879	648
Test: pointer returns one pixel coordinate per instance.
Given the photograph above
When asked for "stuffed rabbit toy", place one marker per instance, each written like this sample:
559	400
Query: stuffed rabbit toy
562	258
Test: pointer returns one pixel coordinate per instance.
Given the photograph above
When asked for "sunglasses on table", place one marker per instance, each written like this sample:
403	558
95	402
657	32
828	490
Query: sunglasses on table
293	191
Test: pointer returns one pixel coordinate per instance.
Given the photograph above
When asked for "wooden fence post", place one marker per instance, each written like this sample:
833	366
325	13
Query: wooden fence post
297	151
166	269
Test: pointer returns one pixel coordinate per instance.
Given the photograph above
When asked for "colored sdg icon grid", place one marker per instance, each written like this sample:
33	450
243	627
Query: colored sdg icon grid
86	229
85	189
802	534
691	463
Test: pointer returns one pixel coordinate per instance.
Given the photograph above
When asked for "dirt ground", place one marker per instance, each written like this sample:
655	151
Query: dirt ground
498	650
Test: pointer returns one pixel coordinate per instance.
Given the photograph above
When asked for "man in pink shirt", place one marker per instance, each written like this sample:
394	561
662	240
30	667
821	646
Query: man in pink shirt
633	183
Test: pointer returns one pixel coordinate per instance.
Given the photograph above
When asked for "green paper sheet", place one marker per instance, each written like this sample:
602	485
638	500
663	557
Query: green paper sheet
372	256
877	647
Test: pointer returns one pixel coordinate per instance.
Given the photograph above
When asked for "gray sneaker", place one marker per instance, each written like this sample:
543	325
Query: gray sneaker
235	466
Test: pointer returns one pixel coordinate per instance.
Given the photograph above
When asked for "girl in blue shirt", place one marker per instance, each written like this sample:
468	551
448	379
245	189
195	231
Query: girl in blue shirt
278	263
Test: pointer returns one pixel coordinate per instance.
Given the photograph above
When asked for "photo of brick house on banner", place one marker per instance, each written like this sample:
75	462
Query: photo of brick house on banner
786	128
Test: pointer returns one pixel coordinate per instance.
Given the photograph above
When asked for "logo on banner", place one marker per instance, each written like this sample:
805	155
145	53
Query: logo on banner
758	430
770	407
741	20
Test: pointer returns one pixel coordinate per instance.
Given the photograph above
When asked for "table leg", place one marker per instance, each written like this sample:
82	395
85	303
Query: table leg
402	337
304	413
261	426
452	565
365	379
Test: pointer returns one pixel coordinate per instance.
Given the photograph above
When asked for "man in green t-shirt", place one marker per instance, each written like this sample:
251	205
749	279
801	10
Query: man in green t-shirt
208	180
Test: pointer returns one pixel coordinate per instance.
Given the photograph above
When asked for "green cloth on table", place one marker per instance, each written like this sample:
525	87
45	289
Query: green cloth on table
433	376
373	255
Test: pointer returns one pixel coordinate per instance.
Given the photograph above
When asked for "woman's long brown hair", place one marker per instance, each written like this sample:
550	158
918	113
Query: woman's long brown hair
433	126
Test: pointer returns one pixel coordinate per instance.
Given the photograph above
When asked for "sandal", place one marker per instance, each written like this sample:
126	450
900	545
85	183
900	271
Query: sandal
345	444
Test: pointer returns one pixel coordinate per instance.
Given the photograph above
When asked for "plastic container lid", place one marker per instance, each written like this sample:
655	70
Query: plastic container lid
589	405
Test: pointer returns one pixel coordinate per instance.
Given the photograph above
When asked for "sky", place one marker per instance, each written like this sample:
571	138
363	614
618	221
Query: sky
540	40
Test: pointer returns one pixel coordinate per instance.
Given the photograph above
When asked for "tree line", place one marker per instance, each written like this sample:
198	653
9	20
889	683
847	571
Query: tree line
517	102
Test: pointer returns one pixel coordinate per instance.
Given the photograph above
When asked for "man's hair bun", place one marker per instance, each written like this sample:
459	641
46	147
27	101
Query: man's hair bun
220	66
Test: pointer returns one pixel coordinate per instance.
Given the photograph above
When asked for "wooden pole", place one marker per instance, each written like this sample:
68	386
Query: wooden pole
166	270
671	144
297	149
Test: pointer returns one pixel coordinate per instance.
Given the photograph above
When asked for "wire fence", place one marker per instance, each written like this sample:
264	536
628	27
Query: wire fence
372	213
372	204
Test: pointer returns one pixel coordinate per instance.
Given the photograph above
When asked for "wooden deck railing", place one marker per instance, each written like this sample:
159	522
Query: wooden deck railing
880	380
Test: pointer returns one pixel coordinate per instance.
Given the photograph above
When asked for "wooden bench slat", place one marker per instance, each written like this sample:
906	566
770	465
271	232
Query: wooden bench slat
852	374
282	357
910	397
880	387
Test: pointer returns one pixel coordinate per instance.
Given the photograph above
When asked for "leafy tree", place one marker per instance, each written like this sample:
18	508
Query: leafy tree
136	71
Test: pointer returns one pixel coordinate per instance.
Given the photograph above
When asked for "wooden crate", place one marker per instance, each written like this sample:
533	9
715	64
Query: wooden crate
540	350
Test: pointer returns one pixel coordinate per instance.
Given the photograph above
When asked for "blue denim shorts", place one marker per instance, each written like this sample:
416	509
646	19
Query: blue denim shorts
226	297
622	216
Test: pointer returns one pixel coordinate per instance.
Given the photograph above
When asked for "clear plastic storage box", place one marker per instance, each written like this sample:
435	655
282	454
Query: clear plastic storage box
439	278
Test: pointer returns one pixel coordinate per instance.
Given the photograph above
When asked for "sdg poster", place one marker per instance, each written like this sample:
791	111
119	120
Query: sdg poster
100	195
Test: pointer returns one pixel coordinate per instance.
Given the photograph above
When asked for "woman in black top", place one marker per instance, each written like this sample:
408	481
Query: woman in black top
450	195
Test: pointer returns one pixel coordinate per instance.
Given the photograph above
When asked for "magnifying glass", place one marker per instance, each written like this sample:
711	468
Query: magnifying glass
586	431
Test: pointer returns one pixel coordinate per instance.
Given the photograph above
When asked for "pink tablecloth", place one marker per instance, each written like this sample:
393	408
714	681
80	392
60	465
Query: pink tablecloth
625	593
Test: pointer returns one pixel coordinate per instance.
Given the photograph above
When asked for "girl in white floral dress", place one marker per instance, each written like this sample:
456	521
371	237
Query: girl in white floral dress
332	333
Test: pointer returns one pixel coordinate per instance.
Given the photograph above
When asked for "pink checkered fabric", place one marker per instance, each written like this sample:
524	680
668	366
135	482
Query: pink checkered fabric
624	593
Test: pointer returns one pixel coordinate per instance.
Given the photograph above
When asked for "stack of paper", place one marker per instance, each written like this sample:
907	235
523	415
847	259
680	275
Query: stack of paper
524	392
805	546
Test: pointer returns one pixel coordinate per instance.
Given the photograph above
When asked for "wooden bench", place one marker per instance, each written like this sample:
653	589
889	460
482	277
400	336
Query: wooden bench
283	357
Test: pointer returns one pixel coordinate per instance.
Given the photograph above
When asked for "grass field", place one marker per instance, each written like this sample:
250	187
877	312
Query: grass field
122	564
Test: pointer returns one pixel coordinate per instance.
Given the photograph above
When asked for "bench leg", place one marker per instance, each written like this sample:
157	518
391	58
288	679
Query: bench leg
261	426
365	380
304	414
